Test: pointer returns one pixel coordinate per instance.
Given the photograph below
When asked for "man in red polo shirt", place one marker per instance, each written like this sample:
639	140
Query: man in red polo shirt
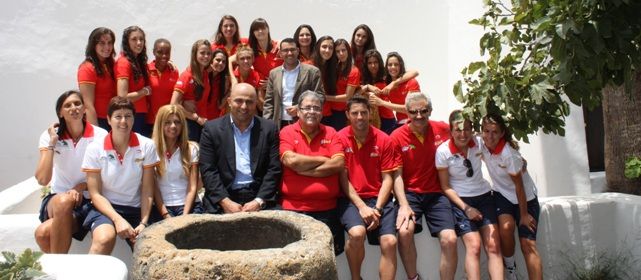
312	158
368	210
416	142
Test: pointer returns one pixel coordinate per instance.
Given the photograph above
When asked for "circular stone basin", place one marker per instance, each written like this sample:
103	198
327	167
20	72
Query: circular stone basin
260	245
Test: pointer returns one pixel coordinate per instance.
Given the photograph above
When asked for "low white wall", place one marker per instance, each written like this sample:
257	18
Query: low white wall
576	227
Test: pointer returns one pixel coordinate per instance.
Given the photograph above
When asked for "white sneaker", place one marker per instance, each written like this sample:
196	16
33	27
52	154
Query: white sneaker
510	273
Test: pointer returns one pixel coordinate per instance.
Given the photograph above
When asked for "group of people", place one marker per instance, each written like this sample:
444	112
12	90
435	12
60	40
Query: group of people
321	127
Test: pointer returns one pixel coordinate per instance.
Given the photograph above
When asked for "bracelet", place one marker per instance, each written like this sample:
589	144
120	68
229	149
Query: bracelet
467	207
144	224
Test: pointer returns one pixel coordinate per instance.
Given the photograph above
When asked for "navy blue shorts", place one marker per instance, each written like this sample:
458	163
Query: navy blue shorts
350	218
174	211
330	219
79	213
95	218
485	204
436	208
504	206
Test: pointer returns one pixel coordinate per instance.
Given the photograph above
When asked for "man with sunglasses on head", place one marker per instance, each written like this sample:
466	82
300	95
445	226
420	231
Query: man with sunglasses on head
416	142
312	158
286	83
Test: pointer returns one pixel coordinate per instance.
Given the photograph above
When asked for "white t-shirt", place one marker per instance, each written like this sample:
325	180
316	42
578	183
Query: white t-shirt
448	156
173	185
121	178
507	161
67	158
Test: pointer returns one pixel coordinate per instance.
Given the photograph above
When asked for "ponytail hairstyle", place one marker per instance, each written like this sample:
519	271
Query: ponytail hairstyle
92	56
182	142
62	128
494	118
138	62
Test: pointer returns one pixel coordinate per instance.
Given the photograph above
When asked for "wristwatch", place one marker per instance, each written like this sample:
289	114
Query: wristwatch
261	202
380	210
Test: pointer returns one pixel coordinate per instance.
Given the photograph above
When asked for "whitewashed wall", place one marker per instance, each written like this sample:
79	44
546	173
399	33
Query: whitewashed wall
43	43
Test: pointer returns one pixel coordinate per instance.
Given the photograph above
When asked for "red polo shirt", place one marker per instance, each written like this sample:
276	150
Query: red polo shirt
104	86
186	85
303	193
252	79
353	79
124	72
366	161
397	95
417	155
266	61
232	51
162	86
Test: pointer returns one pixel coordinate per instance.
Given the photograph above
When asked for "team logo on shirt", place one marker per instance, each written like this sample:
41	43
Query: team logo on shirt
138	160
295	142
408	147
179	83
375	152
325	141
349	150
111	157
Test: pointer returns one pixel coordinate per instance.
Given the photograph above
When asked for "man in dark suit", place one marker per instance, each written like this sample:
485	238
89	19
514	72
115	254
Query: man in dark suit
286	83
239	157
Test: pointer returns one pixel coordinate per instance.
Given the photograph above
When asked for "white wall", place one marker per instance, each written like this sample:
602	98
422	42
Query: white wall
43	43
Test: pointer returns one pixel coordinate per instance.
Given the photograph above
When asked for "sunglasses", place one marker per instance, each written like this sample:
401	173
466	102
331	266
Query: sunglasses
468	164
422	111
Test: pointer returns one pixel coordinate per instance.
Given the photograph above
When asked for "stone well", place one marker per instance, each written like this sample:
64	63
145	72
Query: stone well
261	245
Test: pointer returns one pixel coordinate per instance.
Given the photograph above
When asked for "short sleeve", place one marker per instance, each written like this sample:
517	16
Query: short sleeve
91	161
337	147
123	68
87	74
151	157
286	140
389	158
183	83
354	78
195	152
412	86
512	159
44	140
441	156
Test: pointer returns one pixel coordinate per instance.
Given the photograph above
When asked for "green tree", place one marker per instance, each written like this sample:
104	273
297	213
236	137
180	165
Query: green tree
543	54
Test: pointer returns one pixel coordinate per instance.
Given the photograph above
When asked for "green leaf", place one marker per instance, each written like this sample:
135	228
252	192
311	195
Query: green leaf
475	66
458	91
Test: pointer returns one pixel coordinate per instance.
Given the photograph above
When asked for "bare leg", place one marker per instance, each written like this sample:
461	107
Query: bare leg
355	250
104	239
472	241
532	258
449	258
42	236
492	245
506	231
61	211
387	264
407	249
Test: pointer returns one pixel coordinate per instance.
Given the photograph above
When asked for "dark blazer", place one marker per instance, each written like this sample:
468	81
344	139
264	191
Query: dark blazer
218	160
309	78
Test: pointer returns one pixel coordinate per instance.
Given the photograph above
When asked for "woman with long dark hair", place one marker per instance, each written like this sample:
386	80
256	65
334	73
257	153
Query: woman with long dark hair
325	59
62	149
305	41
227	35
132	75
348	80
265	49
96	77
362	41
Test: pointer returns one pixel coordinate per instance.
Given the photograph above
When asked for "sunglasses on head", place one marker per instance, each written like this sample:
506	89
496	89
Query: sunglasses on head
470	172
422	111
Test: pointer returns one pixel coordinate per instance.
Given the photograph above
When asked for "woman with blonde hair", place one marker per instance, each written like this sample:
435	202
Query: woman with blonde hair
177	171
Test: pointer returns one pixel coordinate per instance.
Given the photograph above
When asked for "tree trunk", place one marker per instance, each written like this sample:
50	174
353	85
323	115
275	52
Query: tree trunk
622	127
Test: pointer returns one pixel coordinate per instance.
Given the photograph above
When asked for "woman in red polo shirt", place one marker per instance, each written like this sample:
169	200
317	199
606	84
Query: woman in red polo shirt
348	80
244	73
220	85
193	88
132	75
305	39
325	59
362	41
162	78
265	49
96	78
227	35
